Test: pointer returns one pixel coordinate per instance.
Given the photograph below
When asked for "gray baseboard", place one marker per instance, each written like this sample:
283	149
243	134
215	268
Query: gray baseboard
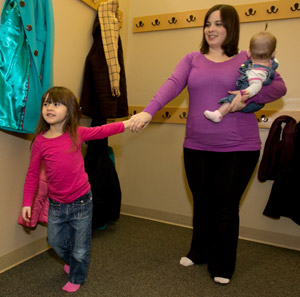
271	238
157	215
22	254
261	236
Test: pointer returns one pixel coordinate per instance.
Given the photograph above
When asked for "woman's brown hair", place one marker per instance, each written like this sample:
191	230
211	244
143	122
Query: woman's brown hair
66	97
231	23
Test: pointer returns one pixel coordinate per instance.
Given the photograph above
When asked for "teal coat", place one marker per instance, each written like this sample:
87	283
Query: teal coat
26	62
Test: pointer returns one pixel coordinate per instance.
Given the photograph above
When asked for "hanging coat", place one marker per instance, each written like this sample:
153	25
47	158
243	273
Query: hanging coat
26	62
281	163
96	98
40	203
104	181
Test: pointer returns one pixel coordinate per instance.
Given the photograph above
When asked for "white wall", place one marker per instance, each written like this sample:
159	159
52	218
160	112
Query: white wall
150	164
14	158
73	39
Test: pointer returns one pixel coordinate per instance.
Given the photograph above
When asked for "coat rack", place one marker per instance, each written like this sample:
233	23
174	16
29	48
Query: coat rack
94	4
254	12
178	115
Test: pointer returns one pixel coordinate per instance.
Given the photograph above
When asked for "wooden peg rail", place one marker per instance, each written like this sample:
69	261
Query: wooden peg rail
178	115
254	12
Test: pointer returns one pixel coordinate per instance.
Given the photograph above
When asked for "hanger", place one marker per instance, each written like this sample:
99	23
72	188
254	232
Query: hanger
95	4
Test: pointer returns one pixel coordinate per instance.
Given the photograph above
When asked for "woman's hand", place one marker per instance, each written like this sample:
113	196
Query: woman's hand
140	121
238	103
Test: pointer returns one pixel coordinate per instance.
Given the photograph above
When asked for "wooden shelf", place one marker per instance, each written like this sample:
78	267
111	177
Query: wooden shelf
254	12
178	115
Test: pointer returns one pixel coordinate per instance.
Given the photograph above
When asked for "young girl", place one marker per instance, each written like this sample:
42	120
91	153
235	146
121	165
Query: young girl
57	142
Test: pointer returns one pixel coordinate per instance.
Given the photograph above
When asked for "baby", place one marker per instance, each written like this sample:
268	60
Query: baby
255	72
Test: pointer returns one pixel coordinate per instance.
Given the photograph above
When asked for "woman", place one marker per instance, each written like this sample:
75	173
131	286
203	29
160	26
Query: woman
219	157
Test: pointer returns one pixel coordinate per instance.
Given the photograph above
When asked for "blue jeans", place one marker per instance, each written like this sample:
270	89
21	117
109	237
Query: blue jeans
70	232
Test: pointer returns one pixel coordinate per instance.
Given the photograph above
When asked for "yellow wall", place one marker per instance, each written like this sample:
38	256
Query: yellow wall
73	39
149	164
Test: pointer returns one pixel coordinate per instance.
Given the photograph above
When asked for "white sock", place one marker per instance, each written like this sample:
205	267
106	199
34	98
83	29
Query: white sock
214	116
221	280
185	261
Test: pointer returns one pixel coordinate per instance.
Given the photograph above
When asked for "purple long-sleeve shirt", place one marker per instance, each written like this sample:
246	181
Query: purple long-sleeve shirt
207	83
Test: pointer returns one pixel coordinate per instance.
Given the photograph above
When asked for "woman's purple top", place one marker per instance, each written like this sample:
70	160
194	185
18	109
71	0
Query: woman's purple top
207	83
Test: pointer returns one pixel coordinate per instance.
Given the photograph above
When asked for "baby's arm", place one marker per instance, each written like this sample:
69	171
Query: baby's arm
256	77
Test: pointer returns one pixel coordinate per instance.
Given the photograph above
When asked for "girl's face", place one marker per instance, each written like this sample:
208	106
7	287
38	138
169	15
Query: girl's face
214	31
54	113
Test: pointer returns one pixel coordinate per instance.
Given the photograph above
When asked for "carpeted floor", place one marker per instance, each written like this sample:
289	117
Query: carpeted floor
140	258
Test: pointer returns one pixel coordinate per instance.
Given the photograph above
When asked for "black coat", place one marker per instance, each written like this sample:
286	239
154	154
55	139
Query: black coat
104	181
96	99
281	163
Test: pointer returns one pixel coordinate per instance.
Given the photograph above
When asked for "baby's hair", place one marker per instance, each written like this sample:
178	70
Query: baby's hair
66	97
262	45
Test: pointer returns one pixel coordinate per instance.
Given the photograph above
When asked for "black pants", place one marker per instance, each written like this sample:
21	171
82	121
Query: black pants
217	182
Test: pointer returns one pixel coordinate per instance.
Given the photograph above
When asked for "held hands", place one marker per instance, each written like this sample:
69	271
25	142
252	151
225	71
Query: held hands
238	103
26	213
139	121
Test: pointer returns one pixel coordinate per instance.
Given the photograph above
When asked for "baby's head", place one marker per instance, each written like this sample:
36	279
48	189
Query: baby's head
262	45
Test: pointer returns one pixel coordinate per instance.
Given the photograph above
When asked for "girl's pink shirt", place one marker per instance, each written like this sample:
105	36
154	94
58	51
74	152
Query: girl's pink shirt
67	179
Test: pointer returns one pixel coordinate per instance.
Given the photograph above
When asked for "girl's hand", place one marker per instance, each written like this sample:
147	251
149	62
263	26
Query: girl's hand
26	213
126	123
238	102
140	121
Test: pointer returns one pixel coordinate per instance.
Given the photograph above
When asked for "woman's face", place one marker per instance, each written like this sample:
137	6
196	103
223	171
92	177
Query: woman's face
214	31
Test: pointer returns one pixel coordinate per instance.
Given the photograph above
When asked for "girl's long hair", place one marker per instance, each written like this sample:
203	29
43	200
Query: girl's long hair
66	97
231	23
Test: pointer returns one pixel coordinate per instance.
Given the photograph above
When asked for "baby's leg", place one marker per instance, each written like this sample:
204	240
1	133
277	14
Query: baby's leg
217	115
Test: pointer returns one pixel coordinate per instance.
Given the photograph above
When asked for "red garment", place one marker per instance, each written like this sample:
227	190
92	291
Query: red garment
40	203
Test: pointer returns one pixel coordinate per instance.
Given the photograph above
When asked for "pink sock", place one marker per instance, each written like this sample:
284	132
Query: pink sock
67	268
71	288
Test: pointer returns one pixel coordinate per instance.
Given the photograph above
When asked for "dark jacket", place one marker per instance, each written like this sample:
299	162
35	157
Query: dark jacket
96	99
281	163
104	181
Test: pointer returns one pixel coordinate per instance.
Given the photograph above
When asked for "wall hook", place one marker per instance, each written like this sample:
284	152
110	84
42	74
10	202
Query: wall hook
191	19
183	116
166	115
262	119
266	26
296	7
173	21
250	12
273	9
156	23
140	25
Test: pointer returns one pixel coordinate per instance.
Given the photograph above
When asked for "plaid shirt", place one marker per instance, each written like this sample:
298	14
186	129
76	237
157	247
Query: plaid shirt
109	23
